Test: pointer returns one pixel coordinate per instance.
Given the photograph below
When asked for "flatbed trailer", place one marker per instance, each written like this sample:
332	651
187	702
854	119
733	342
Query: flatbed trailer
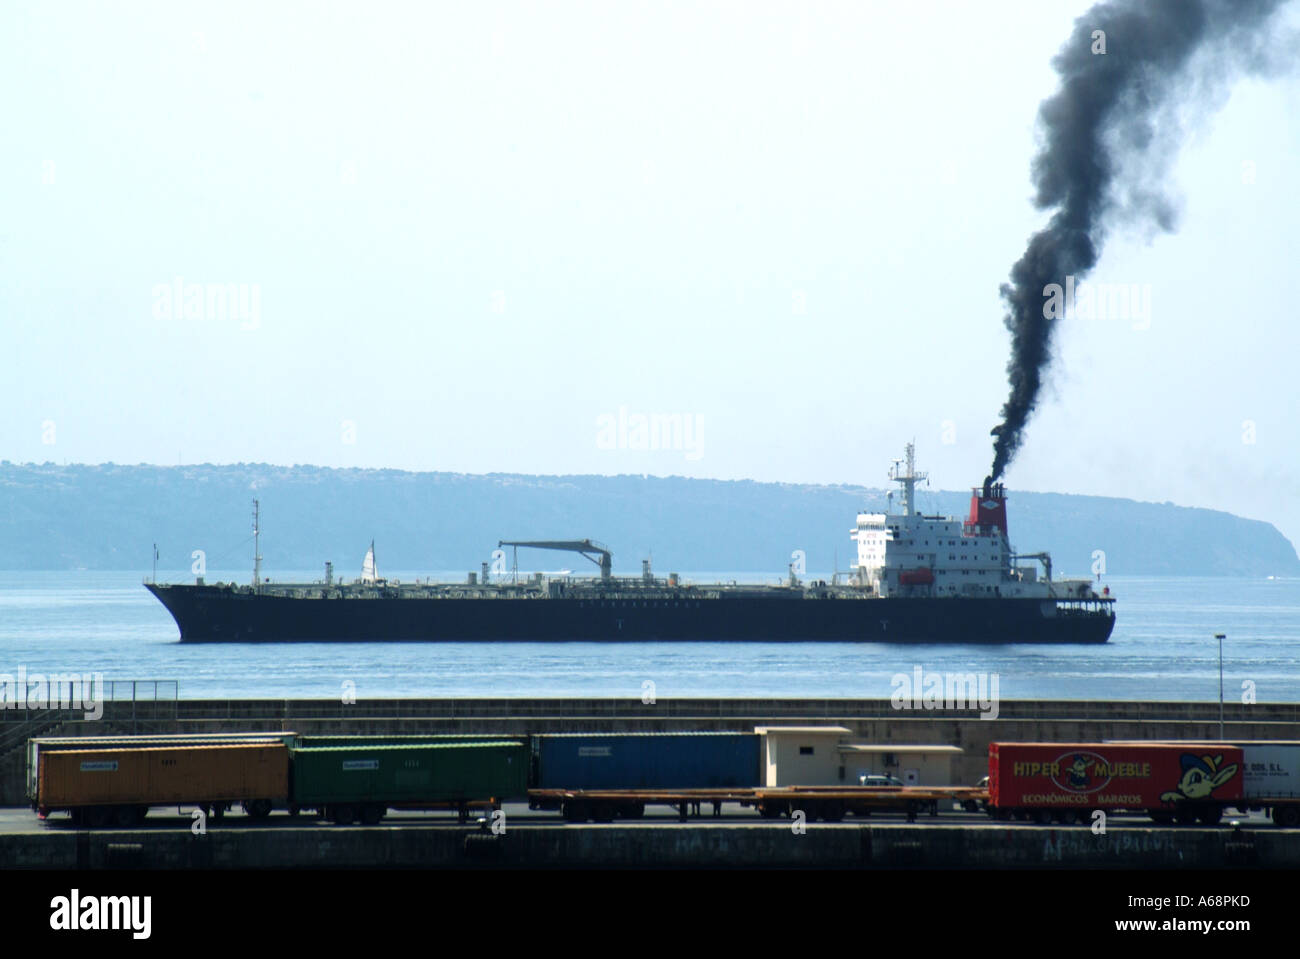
828	803
833	803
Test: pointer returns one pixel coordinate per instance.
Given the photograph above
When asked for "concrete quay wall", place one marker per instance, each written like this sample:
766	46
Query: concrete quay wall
824	846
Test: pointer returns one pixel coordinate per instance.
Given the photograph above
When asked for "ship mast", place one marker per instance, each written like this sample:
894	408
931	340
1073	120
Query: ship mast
257	551
909	477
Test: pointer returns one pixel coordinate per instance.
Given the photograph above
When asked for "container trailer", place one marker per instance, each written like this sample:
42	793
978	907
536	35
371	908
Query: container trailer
48	744
602	776
1065	782
703	760
119	784
1270	774
362	782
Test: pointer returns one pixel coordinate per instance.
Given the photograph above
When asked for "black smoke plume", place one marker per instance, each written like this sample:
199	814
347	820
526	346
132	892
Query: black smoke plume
1108	133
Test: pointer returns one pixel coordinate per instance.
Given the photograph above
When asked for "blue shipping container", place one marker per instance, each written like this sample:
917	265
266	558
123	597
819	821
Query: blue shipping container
647	760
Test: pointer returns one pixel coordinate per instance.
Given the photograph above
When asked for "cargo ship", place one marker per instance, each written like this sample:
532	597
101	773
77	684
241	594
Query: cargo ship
917	579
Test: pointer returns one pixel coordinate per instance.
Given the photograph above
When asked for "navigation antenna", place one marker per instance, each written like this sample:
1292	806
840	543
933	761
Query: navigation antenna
908	476
257	551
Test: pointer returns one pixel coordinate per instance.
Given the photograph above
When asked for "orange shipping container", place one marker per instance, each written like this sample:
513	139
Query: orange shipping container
163	776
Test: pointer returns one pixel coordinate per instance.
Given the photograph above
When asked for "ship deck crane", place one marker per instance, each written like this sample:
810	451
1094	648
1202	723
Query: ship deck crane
1043	558
596	552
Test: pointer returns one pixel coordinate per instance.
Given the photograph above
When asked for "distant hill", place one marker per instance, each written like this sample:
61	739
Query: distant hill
107	517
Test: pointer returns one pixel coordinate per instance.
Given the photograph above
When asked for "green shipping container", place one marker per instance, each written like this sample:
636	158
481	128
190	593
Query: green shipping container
428	772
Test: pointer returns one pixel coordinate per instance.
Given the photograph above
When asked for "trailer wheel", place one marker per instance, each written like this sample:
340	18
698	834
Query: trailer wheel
769	810
832	810
124	816
343	814
1065	816
1185	814
219	811
1161	816
96	817
1042	816
258	808
371	813
1288	817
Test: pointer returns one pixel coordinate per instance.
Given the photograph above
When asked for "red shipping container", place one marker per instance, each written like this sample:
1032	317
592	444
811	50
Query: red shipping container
1111	776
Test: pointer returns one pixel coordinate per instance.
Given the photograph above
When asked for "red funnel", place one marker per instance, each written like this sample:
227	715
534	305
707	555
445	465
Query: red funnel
988	507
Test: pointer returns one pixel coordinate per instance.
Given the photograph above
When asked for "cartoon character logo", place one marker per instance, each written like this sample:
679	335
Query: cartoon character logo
1082	772
1078	773
1201	776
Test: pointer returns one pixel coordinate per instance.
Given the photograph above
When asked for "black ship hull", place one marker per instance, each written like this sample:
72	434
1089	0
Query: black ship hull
224	614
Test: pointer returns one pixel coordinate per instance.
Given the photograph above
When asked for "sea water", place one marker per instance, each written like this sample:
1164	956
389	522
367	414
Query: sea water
1163	648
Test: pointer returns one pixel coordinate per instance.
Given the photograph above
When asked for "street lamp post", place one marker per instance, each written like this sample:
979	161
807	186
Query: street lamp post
1219	637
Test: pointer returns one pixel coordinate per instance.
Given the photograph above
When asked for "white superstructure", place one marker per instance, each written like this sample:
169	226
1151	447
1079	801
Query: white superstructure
910	554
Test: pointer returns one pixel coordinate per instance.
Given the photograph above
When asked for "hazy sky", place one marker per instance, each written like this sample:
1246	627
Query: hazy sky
486	238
